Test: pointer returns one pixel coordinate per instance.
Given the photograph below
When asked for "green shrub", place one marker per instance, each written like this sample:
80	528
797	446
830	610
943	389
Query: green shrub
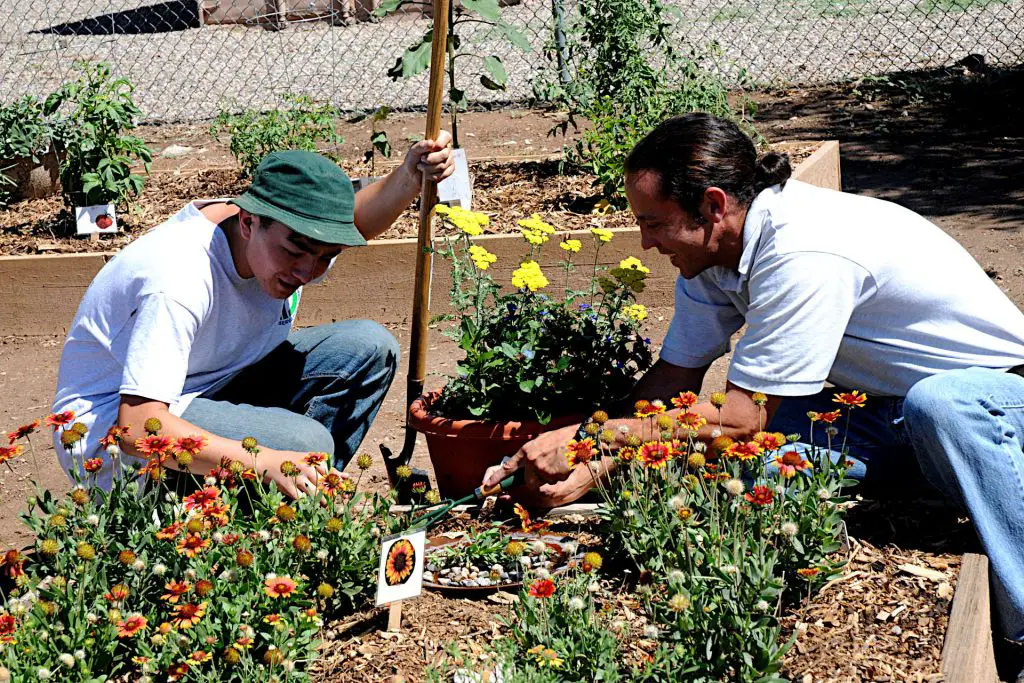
302	124
94	112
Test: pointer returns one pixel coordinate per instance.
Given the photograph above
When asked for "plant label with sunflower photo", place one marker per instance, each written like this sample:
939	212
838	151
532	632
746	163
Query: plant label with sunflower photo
95	219
400	575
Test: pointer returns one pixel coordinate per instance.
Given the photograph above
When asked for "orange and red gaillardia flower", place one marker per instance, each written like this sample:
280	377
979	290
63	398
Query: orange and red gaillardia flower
654	454
93	465
400	563
178	671
760	495
119	593
854	399
542	588
529	526
314	459
114	436
647	409
8	627
829	417
791	462
153	444
331	484
193	445
175	589
744	450
8	452
579	452
192	545
12	564
808	572
280	586
169	533
130	626
58	420
202	498
685	399
187	615
770	441
690	420
23	431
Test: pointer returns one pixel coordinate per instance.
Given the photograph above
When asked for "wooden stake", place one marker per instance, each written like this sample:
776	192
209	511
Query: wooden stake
395	616
967	655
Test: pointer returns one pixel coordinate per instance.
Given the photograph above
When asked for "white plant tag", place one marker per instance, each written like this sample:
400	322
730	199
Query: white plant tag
92	219
456	190
400	575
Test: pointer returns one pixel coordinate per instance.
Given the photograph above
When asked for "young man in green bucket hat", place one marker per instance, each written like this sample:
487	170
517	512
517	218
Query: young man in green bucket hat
191	324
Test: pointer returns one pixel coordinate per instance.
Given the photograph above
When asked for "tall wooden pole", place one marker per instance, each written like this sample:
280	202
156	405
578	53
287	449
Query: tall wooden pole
424	243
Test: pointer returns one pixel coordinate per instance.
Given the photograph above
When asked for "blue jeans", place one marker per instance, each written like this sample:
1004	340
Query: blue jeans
317	392
961	432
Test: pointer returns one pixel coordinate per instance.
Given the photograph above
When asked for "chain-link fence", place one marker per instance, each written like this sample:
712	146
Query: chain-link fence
189	58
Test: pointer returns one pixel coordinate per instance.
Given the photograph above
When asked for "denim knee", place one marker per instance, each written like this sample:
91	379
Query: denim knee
366	339
936	399
308	436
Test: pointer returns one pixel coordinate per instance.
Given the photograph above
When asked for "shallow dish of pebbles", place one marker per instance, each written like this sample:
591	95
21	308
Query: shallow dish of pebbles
547	553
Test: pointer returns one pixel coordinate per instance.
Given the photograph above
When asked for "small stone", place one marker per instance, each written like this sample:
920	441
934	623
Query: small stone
430	567
175	151
483	582
444	581
428	576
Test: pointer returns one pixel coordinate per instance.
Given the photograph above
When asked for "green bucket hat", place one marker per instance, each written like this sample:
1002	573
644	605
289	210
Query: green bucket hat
307	192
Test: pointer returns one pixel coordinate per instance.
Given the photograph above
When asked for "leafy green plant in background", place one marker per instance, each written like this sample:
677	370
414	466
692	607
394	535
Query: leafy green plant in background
628	78
379	141
416	58
25	133
93	113
303	123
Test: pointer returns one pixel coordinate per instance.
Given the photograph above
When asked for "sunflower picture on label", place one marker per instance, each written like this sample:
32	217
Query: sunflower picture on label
400	574
400	562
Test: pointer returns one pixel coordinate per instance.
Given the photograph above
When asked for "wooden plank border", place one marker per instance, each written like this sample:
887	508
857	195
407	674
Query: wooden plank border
40	294
967	654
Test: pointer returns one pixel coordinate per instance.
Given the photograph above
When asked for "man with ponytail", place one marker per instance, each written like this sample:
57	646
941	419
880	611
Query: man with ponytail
832	287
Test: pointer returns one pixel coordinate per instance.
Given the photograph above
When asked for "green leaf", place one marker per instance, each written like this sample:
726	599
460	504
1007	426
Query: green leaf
488	9
380	142
414	60
458	98
498	75
526	385
388	6
516	37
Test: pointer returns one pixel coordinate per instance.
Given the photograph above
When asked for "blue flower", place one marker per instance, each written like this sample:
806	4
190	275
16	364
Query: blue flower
528	353
584	307
647	340
511	307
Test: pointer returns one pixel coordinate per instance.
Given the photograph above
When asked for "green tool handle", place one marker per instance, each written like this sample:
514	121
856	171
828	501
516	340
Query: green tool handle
514	479
479	493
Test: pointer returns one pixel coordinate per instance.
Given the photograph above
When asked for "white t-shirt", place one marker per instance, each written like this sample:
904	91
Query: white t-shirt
168	318
854	290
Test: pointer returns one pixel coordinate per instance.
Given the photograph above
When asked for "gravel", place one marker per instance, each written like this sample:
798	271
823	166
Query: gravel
184	73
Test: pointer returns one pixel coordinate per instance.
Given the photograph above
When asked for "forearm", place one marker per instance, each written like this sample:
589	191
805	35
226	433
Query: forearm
739	419
380	204
217	447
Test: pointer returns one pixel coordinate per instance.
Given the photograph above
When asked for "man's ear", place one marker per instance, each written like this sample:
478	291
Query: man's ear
715	205
247	222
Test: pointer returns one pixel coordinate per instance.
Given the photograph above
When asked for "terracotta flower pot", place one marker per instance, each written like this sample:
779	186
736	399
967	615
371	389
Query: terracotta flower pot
33	180
462	450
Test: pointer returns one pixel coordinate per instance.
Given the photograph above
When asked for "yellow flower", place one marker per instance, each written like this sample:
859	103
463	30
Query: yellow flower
634	263
603	208
636	311
469	222
530	276
535	224
571	245
602	234
534	237
482	258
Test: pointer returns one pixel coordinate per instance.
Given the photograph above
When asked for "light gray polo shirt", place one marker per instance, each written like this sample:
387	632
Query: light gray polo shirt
854	290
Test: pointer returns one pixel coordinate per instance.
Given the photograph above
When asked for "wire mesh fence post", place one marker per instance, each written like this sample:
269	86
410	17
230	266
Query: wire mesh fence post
561	50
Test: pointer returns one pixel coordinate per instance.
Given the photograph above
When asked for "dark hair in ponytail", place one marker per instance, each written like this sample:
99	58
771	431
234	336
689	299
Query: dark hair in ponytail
696	151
